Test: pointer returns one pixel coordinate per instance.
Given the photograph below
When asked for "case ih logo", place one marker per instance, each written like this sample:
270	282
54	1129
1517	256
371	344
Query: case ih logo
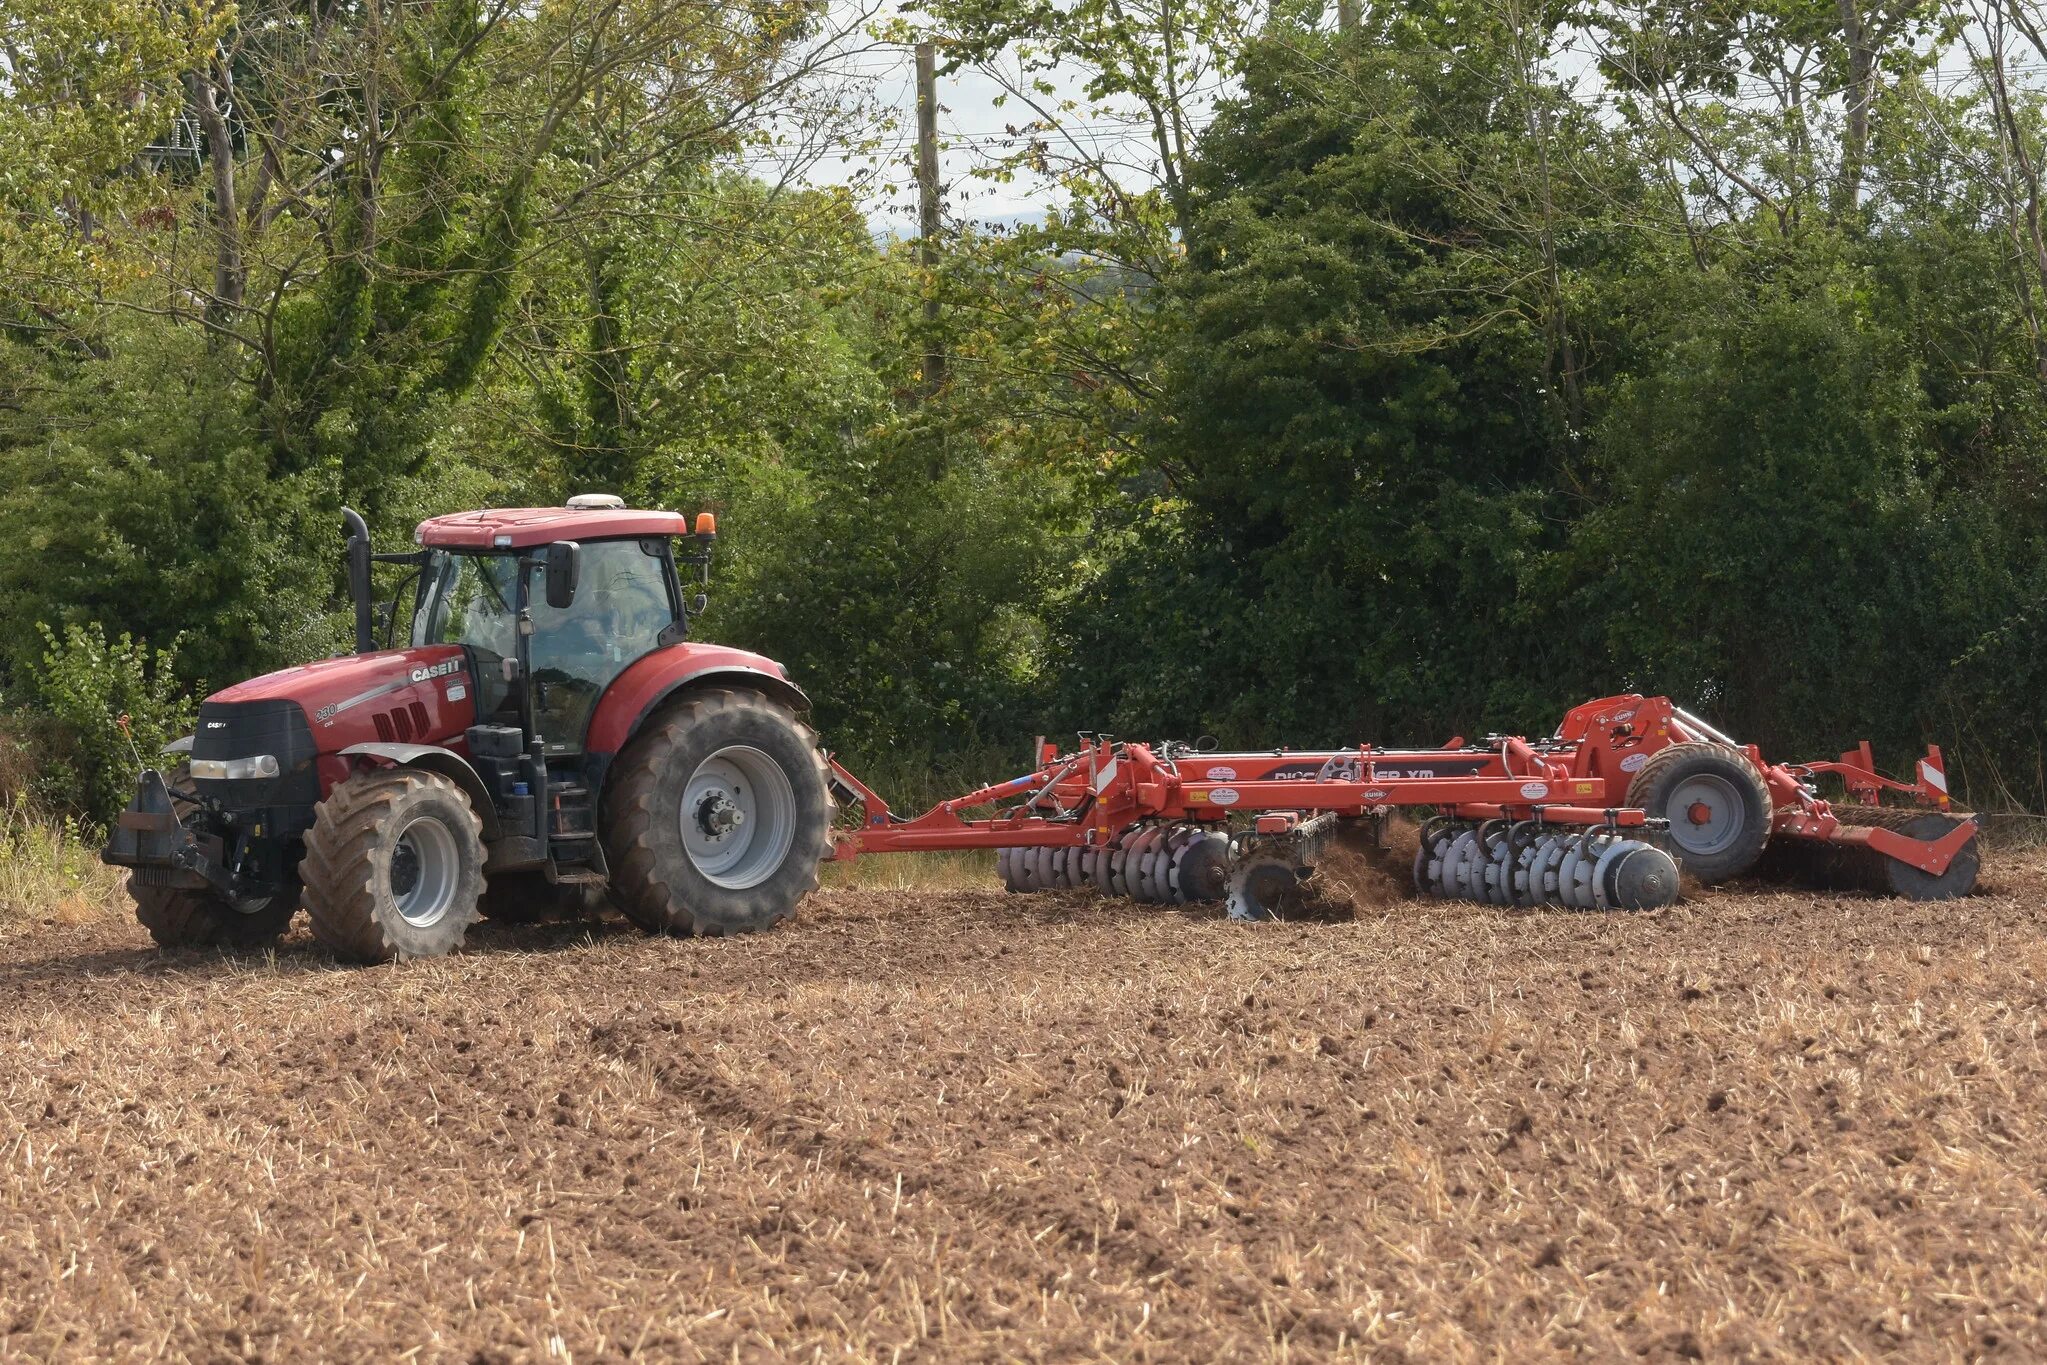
436	670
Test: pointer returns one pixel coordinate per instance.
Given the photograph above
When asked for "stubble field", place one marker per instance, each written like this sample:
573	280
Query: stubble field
962	1125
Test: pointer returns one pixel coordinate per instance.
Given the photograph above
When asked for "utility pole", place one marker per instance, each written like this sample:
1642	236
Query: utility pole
927	211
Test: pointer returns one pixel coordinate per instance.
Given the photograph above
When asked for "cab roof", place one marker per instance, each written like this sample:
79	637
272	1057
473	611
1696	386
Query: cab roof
523	528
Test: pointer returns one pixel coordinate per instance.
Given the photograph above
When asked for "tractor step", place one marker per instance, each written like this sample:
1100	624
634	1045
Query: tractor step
569	813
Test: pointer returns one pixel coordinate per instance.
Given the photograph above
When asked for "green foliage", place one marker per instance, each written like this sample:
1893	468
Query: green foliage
147	504
1360	438
89	85
1409	388
110	706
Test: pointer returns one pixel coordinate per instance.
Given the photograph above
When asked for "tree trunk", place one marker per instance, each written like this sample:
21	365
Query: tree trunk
1861	41
230	276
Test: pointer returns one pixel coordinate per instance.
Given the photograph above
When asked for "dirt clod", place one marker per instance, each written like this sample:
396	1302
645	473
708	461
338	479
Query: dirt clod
1355	872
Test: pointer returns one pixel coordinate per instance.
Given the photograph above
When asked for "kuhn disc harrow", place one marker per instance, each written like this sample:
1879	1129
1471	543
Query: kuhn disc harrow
1602	815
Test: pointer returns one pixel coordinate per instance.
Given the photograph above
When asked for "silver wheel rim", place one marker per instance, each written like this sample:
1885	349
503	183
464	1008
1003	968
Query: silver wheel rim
738	817
424	871
1720	802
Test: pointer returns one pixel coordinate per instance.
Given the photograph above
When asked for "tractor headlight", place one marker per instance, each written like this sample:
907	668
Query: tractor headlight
235	769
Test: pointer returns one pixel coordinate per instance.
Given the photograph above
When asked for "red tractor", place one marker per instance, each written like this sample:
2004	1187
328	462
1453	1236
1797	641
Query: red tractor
550	730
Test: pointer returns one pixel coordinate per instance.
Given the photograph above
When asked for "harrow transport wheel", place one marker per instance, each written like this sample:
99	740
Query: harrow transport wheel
1717	805
393	866
178	917
718	816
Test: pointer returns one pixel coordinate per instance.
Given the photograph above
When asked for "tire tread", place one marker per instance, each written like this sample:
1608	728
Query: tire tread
643	881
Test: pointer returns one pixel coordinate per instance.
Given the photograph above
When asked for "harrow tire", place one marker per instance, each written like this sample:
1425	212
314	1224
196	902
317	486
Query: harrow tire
178	917
393	866
1683	776
654	879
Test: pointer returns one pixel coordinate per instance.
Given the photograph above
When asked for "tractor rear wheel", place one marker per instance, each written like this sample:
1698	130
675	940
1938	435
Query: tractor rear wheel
393	866
179	917
718	816
1716	802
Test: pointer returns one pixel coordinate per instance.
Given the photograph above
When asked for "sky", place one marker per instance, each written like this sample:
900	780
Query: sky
878	83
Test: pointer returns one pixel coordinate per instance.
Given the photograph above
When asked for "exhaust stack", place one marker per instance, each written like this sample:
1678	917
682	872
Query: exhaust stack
358	533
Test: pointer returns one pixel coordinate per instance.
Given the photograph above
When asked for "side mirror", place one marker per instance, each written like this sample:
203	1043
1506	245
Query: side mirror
564	569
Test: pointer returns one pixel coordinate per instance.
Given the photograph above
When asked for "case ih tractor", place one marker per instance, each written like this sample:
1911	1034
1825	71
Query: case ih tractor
549	732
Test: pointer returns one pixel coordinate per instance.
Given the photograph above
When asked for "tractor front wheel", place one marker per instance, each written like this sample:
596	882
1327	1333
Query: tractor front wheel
178	917
393	866
717	818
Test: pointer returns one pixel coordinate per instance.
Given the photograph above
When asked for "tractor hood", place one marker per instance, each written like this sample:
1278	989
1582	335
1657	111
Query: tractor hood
330	688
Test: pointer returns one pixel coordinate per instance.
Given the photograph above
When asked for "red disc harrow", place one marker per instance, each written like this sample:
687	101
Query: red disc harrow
1601	815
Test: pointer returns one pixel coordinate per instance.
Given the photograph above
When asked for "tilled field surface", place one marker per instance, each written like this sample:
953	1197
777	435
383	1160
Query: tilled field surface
968	1126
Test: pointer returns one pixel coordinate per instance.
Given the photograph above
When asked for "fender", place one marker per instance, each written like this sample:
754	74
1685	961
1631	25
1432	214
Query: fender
449	764
652	680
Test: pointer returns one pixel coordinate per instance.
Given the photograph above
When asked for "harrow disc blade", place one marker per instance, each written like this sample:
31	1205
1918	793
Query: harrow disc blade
1644	877
1262	888
1201	869
1137	864
1102	869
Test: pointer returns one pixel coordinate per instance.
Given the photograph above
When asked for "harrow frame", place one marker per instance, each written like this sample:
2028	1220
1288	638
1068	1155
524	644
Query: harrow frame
1093	796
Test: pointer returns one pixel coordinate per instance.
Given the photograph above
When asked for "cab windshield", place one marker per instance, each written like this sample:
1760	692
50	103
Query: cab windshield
623	604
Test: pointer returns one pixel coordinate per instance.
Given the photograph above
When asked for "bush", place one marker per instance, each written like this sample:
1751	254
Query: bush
106	709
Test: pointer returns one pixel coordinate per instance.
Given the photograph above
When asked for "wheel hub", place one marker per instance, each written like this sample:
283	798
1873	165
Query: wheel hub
404	870
718	815
1713	814
425	870
738	817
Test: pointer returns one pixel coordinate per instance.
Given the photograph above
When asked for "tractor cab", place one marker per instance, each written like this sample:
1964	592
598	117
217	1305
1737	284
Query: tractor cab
612	602
549	606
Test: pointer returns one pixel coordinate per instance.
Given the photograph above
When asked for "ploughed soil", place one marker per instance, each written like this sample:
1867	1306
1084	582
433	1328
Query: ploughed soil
964	1125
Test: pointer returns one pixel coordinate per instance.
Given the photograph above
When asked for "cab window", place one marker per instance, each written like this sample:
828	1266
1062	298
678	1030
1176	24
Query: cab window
622	606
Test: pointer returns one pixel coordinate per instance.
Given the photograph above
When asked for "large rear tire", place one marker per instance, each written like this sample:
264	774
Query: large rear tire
393	866
718	816
1717	803
178	917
